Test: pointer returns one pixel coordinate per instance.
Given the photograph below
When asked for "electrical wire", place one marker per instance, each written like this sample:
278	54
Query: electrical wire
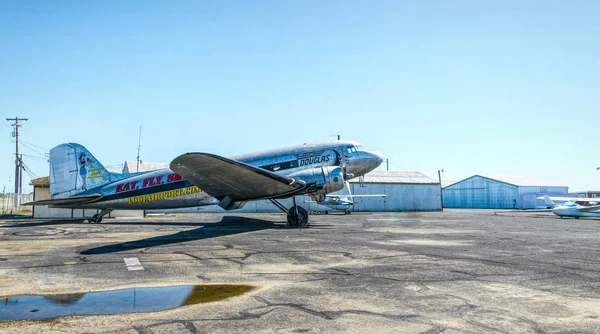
34	150
31	174
34	145
34	157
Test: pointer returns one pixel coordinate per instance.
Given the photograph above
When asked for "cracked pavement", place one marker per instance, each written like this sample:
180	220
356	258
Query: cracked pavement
458	271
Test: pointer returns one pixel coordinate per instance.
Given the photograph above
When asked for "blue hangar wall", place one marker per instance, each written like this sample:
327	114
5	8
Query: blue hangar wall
480	192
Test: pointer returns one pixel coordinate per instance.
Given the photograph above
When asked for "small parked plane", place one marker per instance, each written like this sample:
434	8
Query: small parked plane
343	202
79	180
572	207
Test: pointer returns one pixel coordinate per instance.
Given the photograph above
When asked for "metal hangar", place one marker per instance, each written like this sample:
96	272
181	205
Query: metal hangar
498	192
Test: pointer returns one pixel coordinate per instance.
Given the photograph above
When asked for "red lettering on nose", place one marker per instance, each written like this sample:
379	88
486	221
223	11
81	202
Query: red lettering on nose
145	183
158	179
119	188
177	177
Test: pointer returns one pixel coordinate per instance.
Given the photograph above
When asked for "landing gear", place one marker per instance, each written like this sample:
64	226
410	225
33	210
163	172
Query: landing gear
97	218
297	216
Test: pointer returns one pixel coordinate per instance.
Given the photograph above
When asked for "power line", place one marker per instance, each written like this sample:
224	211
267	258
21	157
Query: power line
34	157
33	149
34	145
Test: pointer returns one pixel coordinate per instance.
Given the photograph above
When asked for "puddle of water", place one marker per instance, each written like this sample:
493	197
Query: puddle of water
134	300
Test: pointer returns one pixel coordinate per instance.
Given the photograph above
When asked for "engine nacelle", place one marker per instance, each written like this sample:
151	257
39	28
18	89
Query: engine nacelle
321	180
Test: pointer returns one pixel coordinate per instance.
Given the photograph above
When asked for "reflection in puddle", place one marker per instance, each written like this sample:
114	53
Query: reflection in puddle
114	302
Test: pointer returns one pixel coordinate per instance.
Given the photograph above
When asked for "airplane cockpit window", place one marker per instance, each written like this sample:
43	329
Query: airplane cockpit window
359	147
351	149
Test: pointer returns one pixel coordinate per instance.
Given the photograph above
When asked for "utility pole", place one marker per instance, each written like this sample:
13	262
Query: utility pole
18	180
440	171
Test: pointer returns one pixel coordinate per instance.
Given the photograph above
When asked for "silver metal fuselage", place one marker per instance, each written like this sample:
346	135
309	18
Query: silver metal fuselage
164	189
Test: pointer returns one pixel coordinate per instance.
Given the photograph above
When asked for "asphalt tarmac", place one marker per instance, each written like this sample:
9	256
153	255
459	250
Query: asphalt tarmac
456	271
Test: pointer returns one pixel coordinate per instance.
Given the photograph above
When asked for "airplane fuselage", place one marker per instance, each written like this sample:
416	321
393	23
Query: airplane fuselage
163	189
573	211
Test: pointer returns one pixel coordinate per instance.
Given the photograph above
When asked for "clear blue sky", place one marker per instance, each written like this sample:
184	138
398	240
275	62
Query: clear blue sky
474	87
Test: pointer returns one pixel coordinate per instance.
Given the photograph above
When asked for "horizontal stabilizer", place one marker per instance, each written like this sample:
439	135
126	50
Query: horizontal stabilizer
78	200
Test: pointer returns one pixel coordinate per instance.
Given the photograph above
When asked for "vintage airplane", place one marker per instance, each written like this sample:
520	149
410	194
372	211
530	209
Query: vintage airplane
79	180
343	203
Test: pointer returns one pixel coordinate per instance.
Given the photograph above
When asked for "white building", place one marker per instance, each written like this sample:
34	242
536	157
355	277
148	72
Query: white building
405	190
41	191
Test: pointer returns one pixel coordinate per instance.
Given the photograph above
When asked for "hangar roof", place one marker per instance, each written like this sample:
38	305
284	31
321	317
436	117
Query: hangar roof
519	181
396	176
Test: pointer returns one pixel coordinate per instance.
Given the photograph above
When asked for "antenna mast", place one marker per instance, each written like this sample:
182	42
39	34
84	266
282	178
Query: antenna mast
139	145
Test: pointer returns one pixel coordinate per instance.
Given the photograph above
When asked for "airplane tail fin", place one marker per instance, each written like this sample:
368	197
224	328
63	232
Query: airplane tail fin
74	171
549	202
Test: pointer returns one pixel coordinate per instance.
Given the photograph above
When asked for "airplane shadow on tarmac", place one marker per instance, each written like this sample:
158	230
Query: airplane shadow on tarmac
228	225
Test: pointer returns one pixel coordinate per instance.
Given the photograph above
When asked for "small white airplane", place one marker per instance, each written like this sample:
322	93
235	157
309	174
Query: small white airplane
342	202
572	208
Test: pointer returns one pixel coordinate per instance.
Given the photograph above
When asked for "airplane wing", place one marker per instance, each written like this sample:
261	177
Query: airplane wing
76	200
222	177
572	199
354	196
589	208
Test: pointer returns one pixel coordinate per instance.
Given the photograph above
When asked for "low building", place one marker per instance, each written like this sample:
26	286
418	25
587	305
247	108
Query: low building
405	190
41	191
587	193
499	192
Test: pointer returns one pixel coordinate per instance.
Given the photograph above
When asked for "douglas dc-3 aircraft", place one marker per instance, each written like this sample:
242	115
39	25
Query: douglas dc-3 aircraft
78	179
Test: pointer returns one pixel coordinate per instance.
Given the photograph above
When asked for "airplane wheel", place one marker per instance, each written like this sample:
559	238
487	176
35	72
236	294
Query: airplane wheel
302	219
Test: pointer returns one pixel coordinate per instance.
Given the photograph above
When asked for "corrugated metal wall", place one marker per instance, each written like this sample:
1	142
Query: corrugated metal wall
529	195
481	193
43	211
401	197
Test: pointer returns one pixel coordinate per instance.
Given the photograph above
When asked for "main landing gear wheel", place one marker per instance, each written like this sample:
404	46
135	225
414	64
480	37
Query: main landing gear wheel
297	219
95	219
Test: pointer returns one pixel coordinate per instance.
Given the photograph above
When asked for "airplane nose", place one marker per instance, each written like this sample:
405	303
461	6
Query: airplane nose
378	157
